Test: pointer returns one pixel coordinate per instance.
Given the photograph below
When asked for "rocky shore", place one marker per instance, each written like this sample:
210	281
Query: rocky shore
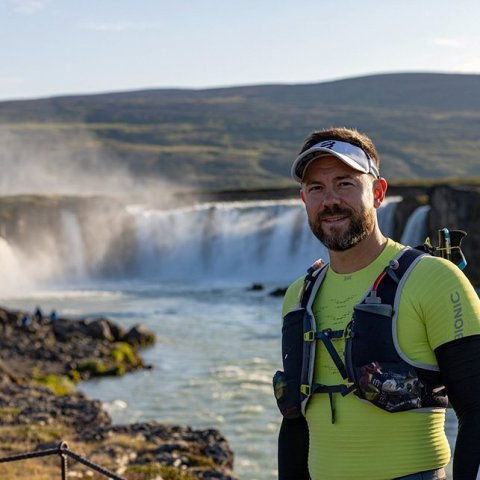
41	361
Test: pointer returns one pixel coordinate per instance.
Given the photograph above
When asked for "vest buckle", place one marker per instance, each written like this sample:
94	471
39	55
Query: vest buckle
306	390
309	336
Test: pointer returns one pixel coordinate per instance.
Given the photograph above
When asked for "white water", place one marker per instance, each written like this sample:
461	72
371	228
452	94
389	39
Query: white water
255	241
415	230
236	241
13	278
73	242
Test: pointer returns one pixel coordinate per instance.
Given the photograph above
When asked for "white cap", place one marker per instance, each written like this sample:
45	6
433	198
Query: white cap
349	154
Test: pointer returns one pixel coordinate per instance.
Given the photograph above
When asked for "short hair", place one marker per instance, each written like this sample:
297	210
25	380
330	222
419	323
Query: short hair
344	134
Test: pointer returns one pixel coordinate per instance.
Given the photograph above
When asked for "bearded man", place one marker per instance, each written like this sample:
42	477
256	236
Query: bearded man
371	341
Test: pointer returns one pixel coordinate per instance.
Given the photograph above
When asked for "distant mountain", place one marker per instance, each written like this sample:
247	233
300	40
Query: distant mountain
424	126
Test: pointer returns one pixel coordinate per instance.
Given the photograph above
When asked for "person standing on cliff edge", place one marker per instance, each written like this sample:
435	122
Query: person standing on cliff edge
377	343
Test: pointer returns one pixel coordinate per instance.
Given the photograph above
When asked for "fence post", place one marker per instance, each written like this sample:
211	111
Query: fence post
63	456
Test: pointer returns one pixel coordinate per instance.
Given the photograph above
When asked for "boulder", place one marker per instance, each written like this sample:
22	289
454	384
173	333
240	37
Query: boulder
278	292
98	328
139	335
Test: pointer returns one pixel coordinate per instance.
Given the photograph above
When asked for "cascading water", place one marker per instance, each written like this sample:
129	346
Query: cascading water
73	244
251	241
386	215
247	240
254	241
14	278
415	229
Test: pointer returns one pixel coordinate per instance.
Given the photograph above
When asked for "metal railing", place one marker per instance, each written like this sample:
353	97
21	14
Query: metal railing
64	452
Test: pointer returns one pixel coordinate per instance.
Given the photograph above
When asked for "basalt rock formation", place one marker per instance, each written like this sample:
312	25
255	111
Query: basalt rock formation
37	345
458	208
41	359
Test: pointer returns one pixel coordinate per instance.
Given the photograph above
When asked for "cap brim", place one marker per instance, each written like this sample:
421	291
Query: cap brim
305	158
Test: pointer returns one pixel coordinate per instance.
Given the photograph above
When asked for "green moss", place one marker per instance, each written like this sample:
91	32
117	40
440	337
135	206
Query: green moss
123	353
94	366
200	461
59	384
122	359
119	370
75	376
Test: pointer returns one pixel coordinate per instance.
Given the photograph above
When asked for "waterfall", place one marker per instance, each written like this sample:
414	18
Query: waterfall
72	243
415	230
386	215
245	241
14	275
255	241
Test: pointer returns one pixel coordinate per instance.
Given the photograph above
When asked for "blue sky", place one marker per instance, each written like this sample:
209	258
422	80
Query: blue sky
54	47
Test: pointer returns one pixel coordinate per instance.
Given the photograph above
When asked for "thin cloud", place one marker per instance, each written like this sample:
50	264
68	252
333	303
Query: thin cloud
117	26
449	42
28	6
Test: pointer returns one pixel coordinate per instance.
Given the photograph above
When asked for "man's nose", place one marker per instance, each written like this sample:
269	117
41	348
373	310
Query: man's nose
330	197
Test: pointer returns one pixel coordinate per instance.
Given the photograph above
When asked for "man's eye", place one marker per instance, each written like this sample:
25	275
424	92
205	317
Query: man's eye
314	188
345	184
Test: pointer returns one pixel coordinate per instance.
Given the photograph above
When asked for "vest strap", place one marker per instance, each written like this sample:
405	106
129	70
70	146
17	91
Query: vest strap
342	389
324	337
312	335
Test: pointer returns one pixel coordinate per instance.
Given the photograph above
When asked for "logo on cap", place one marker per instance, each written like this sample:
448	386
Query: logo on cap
328	144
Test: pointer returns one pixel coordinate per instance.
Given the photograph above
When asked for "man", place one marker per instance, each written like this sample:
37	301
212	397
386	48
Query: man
374	410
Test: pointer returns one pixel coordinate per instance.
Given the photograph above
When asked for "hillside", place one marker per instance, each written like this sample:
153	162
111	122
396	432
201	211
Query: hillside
424	125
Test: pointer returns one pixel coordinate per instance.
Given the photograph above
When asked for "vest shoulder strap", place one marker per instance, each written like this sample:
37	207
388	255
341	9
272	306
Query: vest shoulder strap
388	285
314	274
395	270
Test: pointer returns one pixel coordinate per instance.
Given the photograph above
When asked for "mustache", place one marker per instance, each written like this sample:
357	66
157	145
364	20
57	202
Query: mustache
333	211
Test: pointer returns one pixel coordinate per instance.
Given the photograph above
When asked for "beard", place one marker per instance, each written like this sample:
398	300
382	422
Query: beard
360	226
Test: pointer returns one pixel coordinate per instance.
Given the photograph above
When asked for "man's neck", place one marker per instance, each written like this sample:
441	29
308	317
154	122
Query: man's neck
359	256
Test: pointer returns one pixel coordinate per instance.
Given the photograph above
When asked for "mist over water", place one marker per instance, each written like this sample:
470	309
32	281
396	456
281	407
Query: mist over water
69	159
235	242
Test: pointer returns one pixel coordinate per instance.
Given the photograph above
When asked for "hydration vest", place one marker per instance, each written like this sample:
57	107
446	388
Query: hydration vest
374	367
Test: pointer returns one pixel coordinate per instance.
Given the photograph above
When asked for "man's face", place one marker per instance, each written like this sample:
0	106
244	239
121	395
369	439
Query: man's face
339	202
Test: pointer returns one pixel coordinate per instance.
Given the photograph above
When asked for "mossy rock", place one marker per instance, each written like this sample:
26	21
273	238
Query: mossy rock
123	359
60	385
94	366
200	461
123	353
74	376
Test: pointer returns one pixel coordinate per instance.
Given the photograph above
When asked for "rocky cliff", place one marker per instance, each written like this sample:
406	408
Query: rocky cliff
42	358
458	208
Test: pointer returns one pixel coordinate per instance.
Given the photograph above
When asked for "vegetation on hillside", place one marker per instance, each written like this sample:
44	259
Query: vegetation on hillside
424	125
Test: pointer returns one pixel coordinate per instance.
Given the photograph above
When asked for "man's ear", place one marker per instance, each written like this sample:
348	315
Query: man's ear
302	195
379	191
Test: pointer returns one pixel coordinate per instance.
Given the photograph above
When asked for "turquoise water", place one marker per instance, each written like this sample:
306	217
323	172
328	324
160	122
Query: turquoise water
217	348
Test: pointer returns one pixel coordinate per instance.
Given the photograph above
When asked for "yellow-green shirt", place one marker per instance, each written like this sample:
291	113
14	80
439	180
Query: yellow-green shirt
437	305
